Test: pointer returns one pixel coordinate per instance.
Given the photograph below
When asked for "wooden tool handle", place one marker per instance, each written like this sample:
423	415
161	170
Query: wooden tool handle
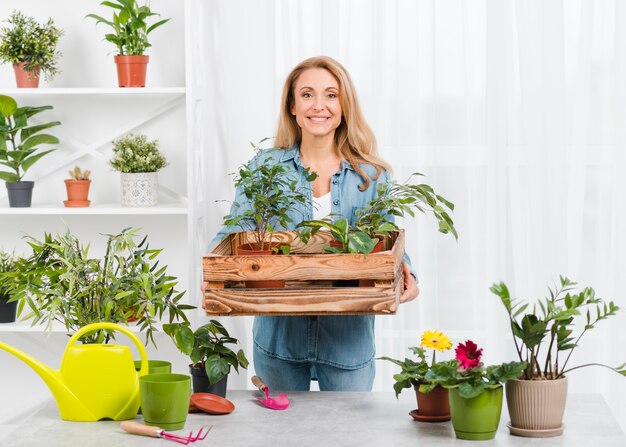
257	382
140	429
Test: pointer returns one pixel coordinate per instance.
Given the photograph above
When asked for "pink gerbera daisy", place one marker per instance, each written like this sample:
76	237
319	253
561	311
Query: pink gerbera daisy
468	354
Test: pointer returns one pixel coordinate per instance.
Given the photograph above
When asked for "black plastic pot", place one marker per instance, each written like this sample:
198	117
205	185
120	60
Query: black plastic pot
20	194
7	310
200	382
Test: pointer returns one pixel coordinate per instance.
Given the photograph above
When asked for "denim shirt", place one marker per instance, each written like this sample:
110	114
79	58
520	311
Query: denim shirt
342	341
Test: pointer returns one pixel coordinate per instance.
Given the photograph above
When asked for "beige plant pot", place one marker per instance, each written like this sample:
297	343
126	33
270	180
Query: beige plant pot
536	407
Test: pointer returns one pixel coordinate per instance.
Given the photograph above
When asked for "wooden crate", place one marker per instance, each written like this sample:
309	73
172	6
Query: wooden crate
309	274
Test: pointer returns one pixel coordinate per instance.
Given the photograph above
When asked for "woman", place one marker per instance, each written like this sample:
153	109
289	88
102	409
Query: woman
321	128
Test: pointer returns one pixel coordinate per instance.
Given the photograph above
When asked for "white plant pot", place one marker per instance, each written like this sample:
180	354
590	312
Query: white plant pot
139	189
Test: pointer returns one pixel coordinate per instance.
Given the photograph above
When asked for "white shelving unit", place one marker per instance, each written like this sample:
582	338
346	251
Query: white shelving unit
94	115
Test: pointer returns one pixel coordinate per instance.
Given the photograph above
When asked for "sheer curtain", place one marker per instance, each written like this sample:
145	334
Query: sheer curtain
514	110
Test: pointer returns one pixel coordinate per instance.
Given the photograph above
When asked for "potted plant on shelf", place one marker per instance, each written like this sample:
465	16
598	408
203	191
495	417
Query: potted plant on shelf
138	160
77	188
270	194
19	145
60	282
475	390
211	359
432	400
31	48
7	305
130	32
536	400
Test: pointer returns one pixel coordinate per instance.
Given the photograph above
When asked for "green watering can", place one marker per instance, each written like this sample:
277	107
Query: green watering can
95	381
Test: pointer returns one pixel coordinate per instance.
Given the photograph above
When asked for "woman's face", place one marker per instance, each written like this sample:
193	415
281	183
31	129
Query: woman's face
316	103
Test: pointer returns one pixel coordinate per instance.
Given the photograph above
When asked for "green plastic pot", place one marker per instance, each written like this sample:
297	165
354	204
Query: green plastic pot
476	418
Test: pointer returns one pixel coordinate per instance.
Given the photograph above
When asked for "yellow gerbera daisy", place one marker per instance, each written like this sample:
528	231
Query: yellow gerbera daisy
436	340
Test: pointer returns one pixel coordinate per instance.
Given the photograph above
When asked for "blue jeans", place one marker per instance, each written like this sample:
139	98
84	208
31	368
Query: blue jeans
288	375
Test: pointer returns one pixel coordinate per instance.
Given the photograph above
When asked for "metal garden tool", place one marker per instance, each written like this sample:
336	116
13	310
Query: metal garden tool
279	402
155	432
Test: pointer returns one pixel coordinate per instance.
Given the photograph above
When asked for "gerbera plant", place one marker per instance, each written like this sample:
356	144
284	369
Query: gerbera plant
414	372
468	373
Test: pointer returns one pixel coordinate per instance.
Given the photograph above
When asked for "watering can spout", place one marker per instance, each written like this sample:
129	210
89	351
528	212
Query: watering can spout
67	402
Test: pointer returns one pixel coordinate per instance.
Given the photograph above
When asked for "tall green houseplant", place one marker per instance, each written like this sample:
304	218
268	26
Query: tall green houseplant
19	147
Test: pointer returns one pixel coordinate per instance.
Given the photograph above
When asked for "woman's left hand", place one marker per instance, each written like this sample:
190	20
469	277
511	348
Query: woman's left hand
411	291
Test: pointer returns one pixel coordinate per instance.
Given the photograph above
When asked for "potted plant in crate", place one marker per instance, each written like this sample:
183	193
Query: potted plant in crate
266	195
19	145
536	400
7	305
475	390
138	160
77	188
129	34
211	359
60	282
432	400
31	48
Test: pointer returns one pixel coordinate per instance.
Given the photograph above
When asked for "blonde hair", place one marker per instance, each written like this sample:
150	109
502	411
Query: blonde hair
354	139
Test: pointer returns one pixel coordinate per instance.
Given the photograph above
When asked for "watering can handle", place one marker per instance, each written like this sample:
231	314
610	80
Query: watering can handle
115	327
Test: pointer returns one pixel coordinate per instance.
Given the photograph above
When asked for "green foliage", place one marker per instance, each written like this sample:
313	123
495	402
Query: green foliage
79	174
548	329
206	347
18	141
270	192
60	282
7	265
25	40
134	153
351	240
129	26
472	381
412	372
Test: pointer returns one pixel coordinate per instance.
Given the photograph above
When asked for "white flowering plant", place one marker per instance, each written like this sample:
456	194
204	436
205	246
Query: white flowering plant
135	153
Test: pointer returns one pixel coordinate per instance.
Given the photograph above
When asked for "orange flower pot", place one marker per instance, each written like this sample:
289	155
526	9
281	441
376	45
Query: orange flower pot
25	79
77	193
131	70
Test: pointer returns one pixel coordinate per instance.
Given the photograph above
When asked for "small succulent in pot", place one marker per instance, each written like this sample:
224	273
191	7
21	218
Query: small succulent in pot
78	174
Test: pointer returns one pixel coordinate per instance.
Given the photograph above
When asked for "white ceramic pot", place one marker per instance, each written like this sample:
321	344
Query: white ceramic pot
139	189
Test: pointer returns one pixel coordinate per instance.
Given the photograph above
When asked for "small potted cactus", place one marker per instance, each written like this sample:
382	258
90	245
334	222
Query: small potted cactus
77	188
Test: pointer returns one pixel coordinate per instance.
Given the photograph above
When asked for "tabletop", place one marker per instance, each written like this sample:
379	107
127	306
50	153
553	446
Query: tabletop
313	419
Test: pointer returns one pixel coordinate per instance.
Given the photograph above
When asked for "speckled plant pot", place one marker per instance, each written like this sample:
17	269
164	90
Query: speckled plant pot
139	189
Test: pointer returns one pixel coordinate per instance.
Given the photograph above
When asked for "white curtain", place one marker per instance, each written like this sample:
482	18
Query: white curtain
514	110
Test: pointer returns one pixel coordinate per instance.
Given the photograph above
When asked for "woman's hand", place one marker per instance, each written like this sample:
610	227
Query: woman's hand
411	291
202	290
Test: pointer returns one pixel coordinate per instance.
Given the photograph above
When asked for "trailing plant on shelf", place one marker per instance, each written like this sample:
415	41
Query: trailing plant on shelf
544	334
135	153
266	195
33	45
376	221
60	282
413	373
207	348
129	26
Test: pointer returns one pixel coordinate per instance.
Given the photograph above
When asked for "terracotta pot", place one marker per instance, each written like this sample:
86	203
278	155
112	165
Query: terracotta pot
433	406
25	79
77	193
253	250
131	70
536	407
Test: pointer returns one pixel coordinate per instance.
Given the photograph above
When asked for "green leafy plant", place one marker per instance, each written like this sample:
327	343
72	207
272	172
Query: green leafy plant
7	265
545	335
135	153
25	40
374	221
270	192
206	347
129	26
79	174
18	141
60	282
414	372
468	374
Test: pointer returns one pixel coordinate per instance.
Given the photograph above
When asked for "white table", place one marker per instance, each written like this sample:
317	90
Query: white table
316	419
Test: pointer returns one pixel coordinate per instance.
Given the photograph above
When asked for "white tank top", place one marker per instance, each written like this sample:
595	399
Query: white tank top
321	206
